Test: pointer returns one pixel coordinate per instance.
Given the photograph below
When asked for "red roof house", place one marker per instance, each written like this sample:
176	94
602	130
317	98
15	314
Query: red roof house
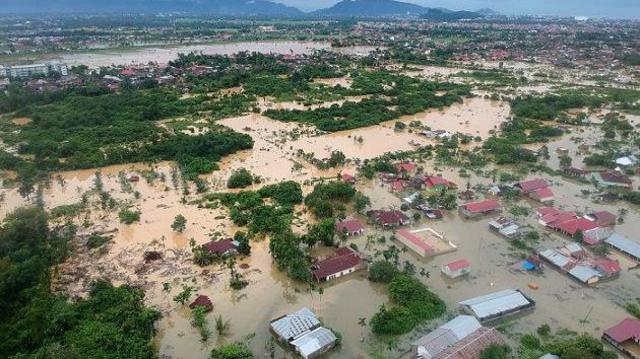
542	195
351	227
438	181
476	209
344	261
347	178
602	218
457	268
532	185
608	267
391	218
625	336
398	185
222	247
202	301
417	244
573	226
405	167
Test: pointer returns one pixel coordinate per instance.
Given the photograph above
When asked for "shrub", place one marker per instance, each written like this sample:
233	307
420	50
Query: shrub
128	217
240	179
382	271
232	351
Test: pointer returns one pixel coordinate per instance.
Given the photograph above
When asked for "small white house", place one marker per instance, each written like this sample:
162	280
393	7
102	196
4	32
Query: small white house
457	268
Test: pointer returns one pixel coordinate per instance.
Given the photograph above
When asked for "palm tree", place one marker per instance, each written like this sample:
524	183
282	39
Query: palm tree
222	326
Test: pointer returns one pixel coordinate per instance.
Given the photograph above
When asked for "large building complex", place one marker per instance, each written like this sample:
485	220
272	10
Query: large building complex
45	69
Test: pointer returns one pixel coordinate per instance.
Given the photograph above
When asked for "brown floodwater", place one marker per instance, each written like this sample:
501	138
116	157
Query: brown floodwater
123	57
561	302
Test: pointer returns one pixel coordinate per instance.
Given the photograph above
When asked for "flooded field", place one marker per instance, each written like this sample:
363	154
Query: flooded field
144	55
342	304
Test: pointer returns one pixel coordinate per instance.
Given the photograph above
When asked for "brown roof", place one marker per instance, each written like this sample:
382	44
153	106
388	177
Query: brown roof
343	259
202	301
532	185
220	247
350	226
615	177
471	346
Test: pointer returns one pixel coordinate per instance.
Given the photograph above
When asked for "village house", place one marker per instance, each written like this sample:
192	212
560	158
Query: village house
478	209
350	227
425	242
344	261
202	301
303	331
461	337
536	189
602	218
497	305
457	268
387	219
607	179
595	236
405	167
505	227
222	248
347	178
438	182
624	245
625	336
575	172
608	268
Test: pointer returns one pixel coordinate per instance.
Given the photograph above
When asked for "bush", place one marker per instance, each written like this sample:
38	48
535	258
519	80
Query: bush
232	351
128	217
240	179
393	321
496	351
382	271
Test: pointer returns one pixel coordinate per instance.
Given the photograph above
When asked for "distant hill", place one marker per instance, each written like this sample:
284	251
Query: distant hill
370	8
448	15
221	7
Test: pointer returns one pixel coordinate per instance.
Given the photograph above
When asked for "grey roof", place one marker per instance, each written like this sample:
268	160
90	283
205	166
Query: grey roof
314	341
495	303
624	244
573	247
556	258
584	273
549	356
446	335
293	325
598	233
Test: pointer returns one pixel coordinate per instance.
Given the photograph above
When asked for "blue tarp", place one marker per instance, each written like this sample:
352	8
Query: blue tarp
528	265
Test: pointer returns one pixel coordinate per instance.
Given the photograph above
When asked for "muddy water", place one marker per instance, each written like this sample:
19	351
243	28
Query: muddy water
165	54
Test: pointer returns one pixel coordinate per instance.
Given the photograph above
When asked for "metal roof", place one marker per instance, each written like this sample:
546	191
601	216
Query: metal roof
314	341
462	325
624	244
295	324
549	356
495	303
584	273
556	258
446	335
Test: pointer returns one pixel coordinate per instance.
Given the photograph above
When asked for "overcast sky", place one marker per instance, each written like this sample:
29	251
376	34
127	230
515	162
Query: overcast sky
593	8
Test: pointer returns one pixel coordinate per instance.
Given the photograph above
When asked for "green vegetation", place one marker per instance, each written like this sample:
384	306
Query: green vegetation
414	304
496	351
240	178
184	295
232	351
199	320
179	223
382	271
96	241
36	323
328	199
408	96
128	216
285	248
565	344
